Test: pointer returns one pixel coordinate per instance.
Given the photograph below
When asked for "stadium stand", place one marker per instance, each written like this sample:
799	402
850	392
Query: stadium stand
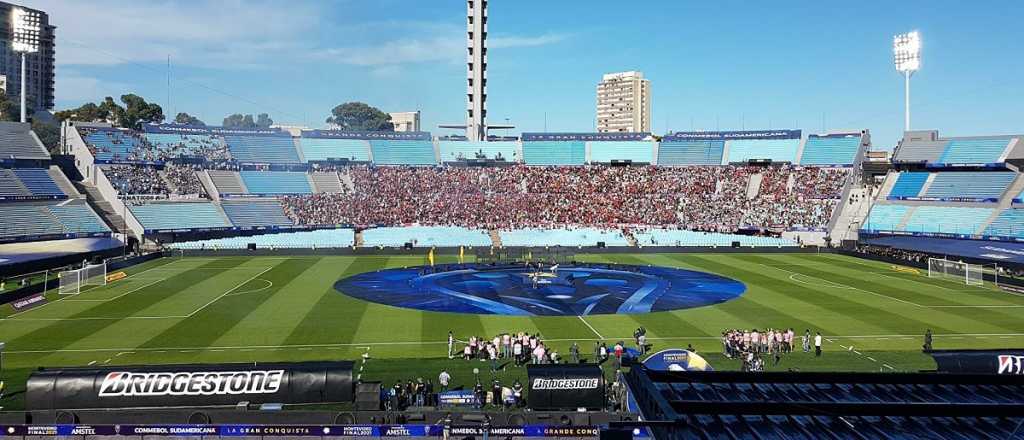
635	151
322	149
946	219
38	182
886	217
227	182
111	143
426	236
179	216
453	151
1009	223
209	146
321	238
18	142
690	153
275	182
908	184
262	149
403	152
255	213
31	219
10	186
778	150
830	150
326	183
682	237
562	237
976	185
554	153
974	151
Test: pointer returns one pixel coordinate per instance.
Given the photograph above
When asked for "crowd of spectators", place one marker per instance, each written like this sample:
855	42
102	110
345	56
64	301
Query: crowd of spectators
182	179
136	180
141	149
696	198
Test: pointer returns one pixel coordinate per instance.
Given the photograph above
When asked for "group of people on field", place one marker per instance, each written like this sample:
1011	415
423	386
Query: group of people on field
749	346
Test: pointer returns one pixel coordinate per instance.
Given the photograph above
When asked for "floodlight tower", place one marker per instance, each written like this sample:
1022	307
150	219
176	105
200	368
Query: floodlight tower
25	28
906	51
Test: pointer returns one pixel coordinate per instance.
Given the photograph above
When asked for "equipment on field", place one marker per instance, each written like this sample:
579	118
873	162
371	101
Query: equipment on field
969	274
72	281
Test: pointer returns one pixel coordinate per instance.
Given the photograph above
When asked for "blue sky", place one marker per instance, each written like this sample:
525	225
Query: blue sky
713	65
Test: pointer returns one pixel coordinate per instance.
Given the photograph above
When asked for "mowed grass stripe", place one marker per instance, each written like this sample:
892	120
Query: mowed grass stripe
755	314
384	323
275	319
205	327
61	334
921	318
335	317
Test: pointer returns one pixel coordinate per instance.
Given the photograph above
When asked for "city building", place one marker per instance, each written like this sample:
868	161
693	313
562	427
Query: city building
624	103
476	65
40	71
406	121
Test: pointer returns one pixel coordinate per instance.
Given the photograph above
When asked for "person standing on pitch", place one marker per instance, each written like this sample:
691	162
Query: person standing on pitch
928	340
451	344
574	353
807	341
817	345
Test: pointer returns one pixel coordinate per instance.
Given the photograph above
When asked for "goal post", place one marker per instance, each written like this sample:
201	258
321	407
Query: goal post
70	282
969	274
95	274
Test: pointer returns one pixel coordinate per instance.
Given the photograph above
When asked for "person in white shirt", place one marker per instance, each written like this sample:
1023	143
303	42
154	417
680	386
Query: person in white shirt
451	345
444	379
817	345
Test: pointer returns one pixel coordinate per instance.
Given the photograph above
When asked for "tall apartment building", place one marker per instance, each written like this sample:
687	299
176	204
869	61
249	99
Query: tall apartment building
476	70
406	121
624	103
39	66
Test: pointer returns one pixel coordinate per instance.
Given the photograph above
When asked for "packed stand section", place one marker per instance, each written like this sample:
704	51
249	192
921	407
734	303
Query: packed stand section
507	198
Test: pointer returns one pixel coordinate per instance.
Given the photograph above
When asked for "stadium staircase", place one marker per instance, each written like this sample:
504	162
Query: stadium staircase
346	182
495	237
325	183
63	183
208	185
754	186
852	215
104	209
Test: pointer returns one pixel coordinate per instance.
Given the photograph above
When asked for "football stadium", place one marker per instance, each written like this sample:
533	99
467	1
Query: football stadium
177	279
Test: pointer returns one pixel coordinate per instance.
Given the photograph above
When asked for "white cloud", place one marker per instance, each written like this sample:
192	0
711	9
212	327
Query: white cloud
445	48
208	33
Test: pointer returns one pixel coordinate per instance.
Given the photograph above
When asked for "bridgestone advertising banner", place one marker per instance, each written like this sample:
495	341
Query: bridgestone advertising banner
565	387
189	385
1009	362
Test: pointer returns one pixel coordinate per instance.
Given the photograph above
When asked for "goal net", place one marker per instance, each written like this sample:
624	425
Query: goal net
70	282
95	274
969	274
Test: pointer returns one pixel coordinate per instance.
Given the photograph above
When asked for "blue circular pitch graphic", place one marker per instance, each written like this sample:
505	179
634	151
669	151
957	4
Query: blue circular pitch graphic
577	290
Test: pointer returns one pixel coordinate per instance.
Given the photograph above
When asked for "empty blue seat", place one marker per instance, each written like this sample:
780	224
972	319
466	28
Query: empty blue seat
321	238
908	185
39	182
256	213
179	216
276	182
885	217
262	149
1009	223
554	153
778	150
947	219
690	153
976	185
830	150
452	151
403	152
974	151
636	151
322	149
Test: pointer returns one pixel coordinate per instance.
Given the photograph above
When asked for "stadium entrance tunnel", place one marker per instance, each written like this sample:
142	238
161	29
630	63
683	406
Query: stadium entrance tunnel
567	290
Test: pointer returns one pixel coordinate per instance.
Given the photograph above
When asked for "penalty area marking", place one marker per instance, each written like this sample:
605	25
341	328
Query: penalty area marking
246	292
590	327
796	278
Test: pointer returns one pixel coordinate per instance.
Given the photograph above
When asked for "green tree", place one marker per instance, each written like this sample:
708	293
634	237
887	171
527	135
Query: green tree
88	112
49	134
187	119
9	109
264	121
137	112
358	116
239	120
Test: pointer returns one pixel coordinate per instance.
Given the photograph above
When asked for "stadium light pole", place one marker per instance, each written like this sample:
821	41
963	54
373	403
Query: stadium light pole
906	51
25	40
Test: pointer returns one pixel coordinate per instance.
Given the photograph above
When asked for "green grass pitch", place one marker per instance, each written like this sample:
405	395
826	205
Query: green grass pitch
245	309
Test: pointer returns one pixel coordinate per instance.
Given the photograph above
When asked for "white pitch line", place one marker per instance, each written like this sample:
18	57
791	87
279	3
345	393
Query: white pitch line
99	318
65	297
847	287
229	291
590	327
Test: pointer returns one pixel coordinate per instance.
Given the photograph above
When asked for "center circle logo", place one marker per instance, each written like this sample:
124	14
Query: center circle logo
576	290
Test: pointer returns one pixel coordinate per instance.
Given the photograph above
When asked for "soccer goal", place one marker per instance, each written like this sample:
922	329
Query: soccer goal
72	281
969	274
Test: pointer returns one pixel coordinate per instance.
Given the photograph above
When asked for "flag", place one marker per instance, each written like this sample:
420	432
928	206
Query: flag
430	256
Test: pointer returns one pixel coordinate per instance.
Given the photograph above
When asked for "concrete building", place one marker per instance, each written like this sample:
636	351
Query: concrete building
40	73
406	121
624	103
476	74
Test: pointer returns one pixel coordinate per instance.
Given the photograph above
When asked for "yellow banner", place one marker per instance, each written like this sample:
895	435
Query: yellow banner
116	276
905	269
